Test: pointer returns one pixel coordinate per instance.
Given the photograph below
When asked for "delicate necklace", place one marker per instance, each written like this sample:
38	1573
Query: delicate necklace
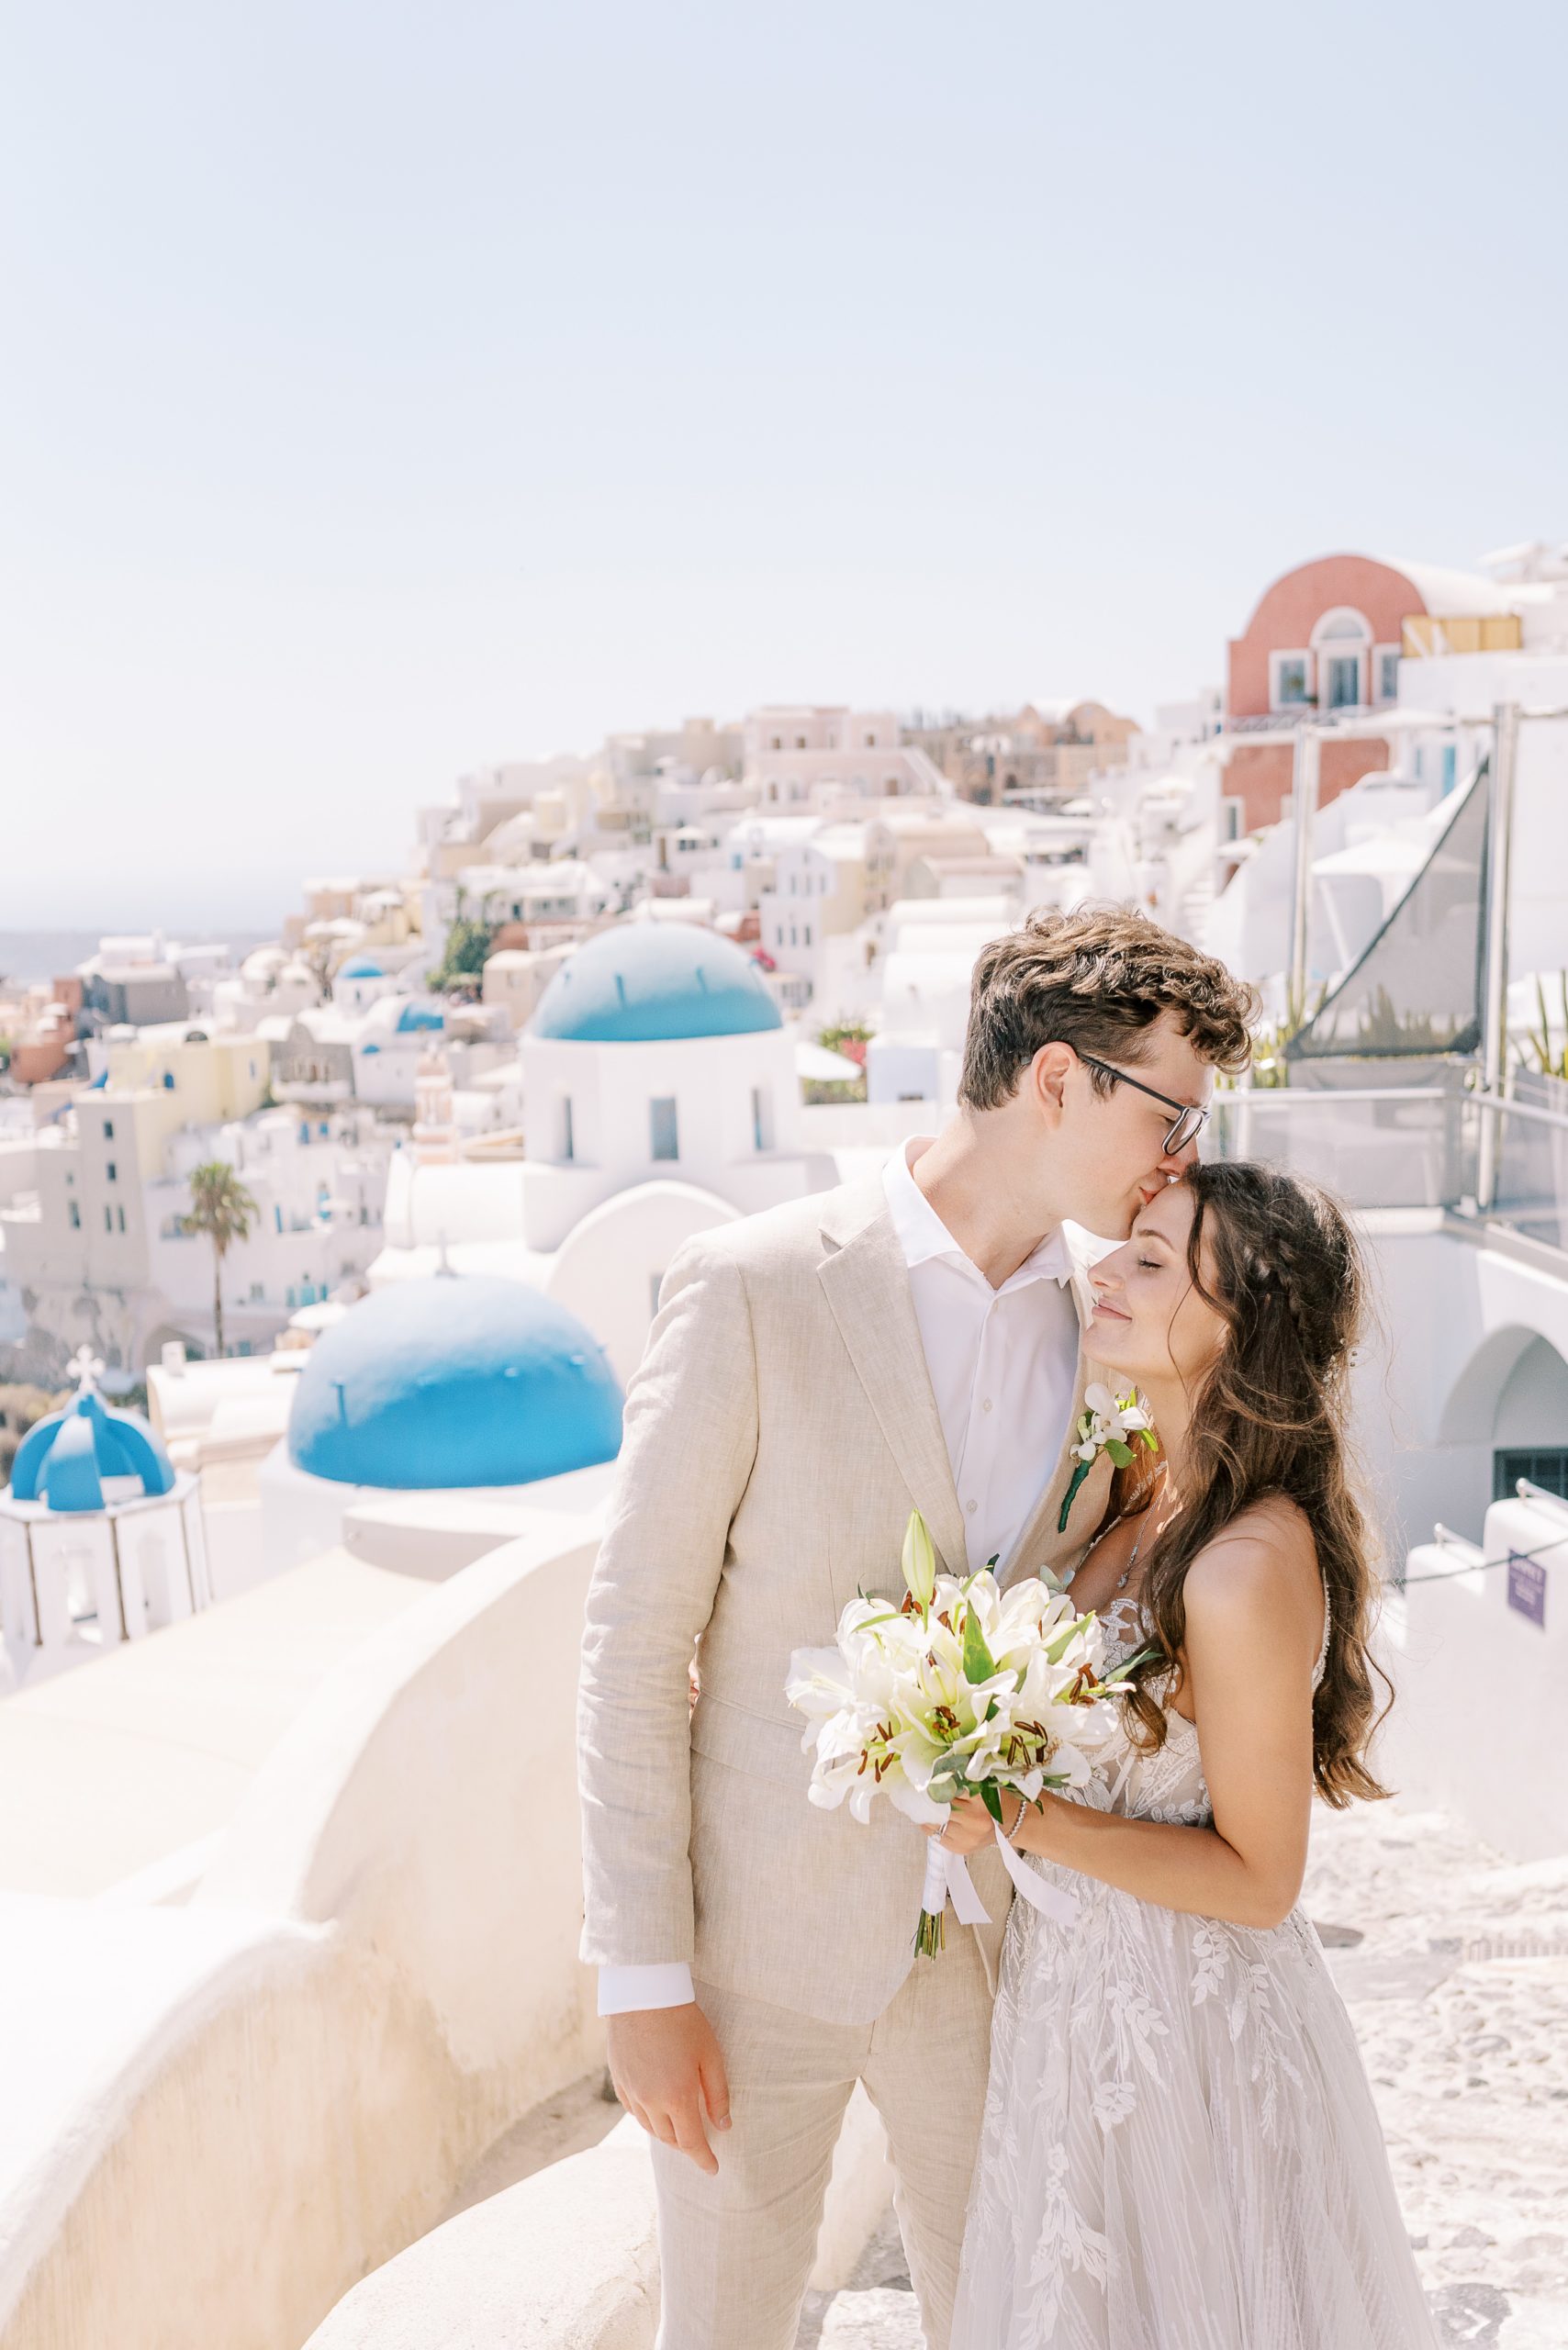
1126	1576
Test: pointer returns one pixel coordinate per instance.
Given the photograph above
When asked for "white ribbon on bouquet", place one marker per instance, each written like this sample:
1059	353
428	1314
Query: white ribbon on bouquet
946	1873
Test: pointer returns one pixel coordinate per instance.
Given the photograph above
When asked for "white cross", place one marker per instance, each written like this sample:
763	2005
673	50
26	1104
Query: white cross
86	1368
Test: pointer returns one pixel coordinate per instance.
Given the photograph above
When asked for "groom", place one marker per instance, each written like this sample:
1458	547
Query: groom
914	1339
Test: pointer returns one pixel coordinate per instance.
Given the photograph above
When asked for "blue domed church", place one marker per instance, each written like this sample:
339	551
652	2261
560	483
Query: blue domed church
659	1098
648	983
102	1539
455	1380
436	1383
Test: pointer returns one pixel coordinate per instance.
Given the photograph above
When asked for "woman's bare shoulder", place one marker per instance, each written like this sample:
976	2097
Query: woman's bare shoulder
1260	1567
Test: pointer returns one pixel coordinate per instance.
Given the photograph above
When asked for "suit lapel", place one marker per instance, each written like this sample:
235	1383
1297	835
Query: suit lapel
866	1285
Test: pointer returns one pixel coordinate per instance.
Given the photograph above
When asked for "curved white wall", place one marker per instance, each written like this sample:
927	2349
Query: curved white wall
302	1515
611	1087
394	1980
427	1805
1532	1410
1456	1638
1459	1313
1474	1334
568	2258
606	1267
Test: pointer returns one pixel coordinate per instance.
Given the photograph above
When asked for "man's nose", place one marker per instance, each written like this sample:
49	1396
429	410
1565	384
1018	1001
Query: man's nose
1176	1162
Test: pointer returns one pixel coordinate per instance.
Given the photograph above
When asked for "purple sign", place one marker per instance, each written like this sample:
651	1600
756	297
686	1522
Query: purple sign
1527	1587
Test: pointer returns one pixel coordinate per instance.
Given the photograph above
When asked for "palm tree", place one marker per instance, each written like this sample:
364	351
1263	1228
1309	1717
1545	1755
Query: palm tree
222	1208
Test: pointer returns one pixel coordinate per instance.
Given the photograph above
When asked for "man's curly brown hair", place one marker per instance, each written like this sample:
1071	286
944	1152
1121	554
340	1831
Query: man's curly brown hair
1097	979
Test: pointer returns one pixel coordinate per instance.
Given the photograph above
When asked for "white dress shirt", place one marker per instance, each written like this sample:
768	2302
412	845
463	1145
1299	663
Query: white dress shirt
1004	1366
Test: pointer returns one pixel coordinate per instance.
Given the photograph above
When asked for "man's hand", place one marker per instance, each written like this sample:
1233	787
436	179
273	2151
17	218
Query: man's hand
666	2068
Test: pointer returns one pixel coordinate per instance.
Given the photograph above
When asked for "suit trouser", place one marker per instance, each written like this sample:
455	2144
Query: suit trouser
736	2251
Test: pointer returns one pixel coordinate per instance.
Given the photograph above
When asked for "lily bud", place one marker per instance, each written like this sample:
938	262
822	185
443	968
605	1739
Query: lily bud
919	1562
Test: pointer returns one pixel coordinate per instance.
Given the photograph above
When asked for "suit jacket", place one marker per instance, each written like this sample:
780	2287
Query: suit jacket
778	1430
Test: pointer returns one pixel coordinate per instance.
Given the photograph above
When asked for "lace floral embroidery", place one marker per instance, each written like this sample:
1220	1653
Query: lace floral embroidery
1163	2088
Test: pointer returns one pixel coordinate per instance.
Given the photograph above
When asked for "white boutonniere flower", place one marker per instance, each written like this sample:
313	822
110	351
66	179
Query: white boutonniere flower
1111	1424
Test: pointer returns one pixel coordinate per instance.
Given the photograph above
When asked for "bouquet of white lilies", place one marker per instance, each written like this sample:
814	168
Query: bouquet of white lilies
963	1689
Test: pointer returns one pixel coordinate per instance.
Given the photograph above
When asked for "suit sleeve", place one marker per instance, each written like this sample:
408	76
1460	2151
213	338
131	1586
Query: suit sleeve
688	1449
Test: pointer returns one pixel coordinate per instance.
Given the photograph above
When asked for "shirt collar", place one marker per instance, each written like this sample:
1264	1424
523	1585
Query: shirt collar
923	1235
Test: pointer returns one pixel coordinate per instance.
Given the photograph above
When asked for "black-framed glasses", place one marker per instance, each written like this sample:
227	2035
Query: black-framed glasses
1190	1120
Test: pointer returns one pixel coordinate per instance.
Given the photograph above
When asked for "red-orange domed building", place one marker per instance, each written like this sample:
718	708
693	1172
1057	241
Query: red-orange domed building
1326	641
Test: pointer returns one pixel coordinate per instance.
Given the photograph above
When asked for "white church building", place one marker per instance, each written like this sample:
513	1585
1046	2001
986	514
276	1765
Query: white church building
660	1096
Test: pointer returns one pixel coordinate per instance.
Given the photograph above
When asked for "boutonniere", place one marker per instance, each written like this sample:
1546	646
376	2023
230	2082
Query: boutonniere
1106	1427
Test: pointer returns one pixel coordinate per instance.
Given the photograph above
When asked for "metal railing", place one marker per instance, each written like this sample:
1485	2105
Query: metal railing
1411	1147
1374	1147
1469	1145
1529	1174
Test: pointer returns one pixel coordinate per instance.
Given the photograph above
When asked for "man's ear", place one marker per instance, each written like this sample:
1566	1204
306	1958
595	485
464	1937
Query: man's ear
1047	1078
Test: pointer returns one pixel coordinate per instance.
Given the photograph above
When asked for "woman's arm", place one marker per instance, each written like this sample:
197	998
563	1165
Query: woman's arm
1254	1621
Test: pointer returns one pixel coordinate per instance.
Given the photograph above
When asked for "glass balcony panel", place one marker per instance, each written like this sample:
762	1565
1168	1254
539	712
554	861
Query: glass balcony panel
1377	1147
1532	1160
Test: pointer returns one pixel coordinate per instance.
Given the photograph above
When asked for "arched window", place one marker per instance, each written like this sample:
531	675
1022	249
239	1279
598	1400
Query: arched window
1341	642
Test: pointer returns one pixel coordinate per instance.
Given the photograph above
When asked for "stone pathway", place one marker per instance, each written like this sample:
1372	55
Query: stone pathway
1454	1964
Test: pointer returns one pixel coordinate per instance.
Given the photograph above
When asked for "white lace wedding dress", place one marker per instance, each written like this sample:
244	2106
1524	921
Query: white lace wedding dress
1180	2149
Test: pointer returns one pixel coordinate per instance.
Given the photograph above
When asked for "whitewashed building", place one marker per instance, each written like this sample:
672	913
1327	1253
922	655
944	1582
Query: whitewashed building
810	754
101	1539
659	1096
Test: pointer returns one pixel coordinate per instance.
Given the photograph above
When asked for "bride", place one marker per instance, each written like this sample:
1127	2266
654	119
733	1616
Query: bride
1180	2149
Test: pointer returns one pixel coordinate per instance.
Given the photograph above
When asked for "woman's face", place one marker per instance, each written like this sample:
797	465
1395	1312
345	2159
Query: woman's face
1149	1320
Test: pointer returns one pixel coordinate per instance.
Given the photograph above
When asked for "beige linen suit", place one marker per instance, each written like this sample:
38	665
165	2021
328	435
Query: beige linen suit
779	1431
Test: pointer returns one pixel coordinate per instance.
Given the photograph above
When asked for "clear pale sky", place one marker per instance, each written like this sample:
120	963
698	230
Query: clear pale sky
390	389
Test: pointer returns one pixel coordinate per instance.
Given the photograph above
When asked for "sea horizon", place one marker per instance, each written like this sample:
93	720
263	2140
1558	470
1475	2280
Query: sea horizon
29	957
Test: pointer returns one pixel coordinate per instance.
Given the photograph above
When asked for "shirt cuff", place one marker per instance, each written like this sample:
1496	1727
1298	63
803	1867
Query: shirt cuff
623	1989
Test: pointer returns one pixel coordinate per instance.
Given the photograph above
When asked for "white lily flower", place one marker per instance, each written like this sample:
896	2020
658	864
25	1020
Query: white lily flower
919	1561
981	1687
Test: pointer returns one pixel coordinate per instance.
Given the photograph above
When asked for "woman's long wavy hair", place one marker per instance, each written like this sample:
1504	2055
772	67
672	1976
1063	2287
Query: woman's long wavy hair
1270	1419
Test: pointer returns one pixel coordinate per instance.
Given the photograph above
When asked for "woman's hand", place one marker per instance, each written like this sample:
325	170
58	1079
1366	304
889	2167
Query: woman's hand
1254	1606
971	1825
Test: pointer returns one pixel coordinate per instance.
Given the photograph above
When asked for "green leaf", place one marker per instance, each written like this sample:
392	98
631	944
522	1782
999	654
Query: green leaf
1142	1656
1120	1453
990	1794
979	1662
1149	1438
1058	1647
